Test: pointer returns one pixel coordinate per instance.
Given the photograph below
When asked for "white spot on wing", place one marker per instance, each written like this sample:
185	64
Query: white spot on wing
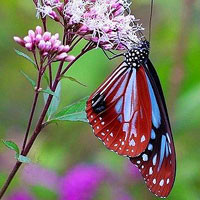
154	181
168	138
103	133
145	157
168	181
142	139
150	147
150	171
153	135
154	159
111	134
161	182
132	143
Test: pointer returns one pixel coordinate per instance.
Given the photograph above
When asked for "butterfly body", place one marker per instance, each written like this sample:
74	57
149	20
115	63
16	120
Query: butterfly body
128	113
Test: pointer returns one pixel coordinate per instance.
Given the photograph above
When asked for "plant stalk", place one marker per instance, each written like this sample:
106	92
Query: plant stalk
39	125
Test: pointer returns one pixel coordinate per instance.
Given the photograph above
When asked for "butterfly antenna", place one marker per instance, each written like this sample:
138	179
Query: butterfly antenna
150	20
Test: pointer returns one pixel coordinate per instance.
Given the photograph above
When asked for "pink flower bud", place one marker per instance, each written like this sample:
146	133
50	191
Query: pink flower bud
95	39
70	58
38	30
38	38
106	29
47	46
61	48
41	45
29	46
115	5
54	16
61	56
56	36
19	41
57	44
27	39
83	29
118	12
46	36
31	34
53	39
60	9
45	54
66	48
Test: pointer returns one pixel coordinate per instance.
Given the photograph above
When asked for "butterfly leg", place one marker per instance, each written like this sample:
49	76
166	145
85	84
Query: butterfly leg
115	55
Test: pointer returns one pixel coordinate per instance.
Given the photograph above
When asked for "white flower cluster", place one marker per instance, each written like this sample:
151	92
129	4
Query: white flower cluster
104	22
108	23
46	8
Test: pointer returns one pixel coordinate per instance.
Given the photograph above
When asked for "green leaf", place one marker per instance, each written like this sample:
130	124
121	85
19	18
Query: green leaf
23	159
73	112
29	79
55	101
74	80
11	145
25	56
31	60
48	91
46	77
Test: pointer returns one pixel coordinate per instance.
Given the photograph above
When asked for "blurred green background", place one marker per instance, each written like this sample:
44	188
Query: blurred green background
175	52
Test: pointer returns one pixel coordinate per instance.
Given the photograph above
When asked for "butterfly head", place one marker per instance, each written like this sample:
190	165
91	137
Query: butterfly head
138	55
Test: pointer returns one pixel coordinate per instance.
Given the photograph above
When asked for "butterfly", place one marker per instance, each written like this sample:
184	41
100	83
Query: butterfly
128	113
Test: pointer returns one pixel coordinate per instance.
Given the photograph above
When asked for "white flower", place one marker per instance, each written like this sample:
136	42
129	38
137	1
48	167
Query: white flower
75	9
45	7
106	22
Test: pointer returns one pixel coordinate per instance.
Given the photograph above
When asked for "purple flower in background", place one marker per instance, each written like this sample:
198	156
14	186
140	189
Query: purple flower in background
20	195
81	182
36	175
132	171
